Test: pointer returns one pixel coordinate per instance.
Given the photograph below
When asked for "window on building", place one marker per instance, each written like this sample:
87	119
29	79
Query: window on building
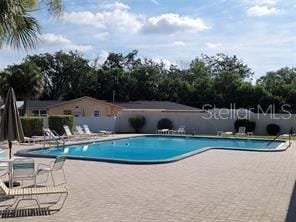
67	112
96	113
43	113
35	112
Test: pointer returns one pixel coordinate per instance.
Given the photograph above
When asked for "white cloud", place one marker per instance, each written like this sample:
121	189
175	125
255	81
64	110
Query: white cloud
111	19
259	2
101	35
116	6
213	45
85	18
102	57
261	10
178	43
167	63
156	2
118	17
51	39
261	7
171	23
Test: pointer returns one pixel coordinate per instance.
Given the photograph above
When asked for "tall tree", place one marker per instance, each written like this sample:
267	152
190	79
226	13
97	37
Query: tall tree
222	63
281	84
66	75
18	28
26	80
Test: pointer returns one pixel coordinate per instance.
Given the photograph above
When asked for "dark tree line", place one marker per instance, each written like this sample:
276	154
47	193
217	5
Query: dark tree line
218	80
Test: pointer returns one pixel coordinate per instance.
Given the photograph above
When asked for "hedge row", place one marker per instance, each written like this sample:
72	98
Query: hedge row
32	126
57	122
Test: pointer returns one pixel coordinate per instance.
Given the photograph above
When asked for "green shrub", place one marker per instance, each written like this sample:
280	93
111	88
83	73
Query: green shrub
32	126
165	124
57	122
137	122
273	129
250	125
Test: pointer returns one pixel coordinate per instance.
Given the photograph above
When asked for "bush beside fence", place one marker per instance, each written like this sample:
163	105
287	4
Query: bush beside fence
57	122
32	126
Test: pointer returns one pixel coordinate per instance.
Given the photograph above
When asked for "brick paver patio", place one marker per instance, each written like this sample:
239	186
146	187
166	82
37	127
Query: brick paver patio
216	185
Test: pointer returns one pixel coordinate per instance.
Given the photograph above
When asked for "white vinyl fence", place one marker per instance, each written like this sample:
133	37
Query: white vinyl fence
200	123
194	122
97	123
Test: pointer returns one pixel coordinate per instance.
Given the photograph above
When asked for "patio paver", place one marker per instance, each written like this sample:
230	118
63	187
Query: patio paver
216	185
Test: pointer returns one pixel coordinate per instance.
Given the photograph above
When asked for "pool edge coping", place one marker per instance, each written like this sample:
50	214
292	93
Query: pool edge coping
27	152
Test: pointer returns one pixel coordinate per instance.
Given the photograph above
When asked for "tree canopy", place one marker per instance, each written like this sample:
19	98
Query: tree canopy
218	80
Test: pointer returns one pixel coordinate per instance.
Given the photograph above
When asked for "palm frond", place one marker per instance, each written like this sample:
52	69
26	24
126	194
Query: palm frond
17	28
54	7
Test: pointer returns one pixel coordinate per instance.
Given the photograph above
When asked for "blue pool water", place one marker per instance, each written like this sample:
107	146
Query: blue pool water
152	148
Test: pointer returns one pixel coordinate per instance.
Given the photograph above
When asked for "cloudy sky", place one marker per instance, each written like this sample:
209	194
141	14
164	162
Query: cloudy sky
261	32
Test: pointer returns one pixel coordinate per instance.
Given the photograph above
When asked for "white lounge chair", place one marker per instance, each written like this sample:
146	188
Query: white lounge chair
163	131
105	132
34	139
79	130
82	133
51	135
68	132
33	194
227	133
181	130
70	135
88	132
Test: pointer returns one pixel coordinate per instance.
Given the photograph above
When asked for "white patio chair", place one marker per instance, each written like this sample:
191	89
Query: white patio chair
51	168
241	131
23	169
4	171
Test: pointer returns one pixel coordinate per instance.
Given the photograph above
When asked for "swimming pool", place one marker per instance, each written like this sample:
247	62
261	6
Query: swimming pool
150	149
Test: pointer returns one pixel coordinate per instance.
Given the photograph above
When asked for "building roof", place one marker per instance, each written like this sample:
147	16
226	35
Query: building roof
137	105
84	97
41	104
19	105
156	105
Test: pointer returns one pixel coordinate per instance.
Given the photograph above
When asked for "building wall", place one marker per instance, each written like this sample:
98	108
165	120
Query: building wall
84	107
29	111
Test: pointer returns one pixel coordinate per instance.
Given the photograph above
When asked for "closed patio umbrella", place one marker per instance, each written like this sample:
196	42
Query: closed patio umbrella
10	126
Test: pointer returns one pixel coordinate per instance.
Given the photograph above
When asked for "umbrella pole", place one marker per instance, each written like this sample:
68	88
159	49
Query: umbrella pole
10	146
